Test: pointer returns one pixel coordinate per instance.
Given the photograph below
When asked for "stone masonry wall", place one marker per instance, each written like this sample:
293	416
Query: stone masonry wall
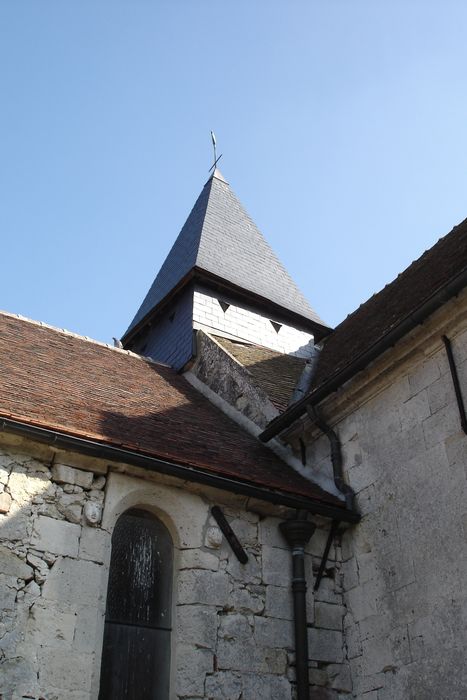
405	565
246	324
233	629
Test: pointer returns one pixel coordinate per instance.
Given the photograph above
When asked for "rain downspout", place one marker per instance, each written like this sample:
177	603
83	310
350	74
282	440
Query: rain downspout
298	532
302	388
336	455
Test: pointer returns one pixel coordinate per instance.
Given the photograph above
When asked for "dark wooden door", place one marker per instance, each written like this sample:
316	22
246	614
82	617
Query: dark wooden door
136	649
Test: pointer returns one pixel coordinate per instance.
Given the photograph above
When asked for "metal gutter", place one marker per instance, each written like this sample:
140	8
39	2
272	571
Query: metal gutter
116	454
452	288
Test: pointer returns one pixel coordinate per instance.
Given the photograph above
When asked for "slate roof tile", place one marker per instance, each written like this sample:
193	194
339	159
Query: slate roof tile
220	238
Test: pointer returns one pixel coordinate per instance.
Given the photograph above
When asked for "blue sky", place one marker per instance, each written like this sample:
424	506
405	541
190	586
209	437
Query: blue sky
342	123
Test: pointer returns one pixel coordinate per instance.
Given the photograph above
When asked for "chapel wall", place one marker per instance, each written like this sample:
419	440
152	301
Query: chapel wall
405	564
233	623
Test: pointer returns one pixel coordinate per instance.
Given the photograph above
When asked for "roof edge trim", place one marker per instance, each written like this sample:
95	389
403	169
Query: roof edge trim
115	454
198	274
428	307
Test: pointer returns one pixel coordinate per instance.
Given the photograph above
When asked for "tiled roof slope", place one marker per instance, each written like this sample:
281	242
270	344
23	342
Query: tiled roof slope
397	301
59	381
220	238
277	374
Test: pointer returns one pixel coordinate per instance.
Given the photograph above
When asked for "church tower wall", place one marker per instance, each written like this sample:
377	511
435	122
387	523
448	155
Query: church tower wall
223	315
169	339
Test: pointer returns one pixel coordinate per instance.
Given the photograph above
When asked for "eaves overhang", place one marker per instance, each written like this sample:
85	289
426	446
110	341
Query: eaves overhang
108	452
359	363
199	275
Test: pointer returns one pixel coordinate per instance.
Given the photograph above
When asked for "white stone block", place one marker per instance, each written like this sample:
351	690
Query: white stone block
257	687
12	565
88	628
75	582
198	559
58	670
24	486
203	587
277	566
248	601
94	544
270	632
63	474
51	625
197	625
192	666
279	602
329	616
57	536
5	502
223	685
325	645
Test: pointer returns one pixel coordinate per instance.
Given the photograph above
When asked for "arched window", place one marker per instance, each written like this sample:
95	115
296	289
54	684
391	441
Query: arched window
136	649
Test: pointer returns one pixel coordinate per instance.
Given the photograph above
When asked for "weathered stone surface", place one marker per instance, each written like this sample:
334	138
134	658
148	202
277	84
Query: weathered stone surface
246	600
40	566
15	524
362	601
23	486
277	566
8	589
63	474
94	544
197	624
192	667
74	582
279	602
270	632
245	531
204	587
5	502
12	565
329	616
57	672
18	678
246	573
88	628
340	677
325	645
263	687
4	474
214	537
270	534
51	624
223	685
98	482
198	559
57	536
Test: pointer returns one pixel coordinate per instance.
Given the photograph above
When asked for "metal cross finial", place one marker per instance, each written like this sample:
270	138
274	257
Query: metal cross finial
214	144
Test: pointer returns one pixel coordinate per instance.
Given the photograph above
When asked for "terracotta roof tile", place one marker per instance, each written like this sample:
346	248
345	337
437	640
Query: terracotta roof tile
60	381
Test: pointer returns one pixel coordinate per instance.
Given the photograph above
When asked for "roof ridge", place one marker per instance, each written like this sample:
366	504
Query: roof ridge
86	338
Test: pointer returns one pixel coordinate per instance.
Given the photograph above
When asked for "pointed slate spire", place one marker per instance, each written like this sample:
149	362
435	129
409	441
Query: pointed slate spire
220	238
